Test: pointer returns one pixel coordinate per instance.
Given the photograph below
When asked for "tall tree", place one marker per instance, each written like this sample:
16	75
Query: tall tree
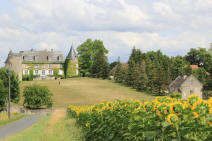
141	84
100	67
199	57
86	52
177	67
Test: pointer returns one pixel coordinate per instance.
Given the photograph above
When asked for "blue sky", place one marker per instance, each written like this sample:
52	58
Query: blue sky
172	26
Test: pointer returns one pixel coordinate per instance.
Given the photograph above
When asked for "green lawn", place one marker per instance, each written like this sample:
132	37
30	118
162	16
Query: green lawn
83	91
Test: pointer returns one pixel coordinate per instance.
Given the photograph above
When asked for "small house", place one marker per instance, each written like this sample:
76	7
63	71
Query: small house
186	85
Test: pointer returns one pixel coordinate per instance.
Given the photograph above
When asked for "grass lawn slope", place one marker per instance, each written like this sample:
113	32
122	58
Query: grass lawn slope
84	91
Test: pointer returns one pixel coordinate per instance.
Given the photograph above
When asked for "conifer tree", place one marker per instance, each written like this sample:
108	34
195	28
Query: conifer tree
118	72
100	67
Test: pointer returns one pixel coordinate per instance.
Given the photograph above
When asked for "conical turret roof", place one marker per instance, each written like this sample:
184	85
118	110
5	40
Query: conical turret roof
72	54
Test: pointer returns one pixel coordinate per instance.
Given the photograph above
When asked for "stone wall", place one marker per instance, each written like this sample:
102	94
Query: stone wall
15	62
191	86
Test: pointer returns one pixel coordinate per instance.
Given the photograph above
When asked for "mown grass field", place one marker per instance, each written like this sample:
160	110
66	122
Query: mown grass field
85	91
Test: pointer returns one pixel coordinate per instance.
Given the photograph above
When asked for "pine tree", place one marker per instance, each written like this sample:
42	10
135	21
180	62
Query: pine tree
143	79
118	72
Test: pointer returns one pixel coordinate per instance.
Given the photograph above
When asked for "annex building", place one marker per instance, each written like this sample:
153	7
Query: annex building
42	64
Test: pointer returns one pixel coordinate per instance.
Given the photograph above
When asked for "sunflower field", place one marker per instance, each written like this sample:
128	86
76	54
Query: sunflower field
163	119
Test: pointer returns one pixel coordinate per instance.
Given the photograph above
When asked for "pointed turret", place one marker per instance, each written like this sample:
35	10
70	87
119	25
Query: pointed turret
72	54
71	64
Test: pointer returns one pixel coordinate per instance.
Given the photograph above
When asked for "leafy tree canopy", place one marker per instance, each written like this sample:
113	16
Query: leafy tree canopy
87	52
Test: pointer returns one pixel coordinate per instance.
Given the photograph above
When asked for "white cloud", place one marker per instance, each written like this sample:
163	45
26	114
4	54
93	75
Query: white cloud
172	26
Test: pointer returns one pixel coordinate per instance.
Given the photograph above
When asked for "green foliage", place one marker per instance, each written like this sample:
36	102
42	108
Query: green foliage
164	119
199	57
36	96
3	95
56	72
113	64
119	74
177	67
200	74
100	67
187	70
70	68
176	95
4	83
29	77
87	52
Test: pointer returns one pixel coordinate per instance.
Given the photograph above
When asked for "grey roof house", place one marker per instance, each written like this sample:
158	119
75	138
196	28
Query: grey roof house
186	85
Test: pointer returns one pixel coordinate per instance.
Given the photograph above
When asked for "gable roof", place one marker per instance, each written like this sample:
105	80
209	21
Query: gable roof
72	54
178	81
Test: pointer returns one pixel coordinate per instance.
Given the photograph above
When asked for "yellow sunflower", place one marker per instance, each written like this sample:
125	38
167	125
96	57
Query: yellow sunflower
196	115
172	118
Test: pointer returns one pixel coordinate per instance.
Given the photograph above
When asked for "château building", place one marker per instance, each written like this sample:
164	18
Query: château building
42	64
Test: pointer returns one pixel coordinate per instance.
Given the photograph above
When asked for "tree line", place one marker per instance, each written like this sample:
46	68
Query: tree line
150	72
153	71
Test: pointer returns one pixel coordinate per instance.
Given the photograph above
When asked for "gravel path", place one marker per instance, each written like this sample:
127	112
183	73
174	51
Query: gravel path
18	126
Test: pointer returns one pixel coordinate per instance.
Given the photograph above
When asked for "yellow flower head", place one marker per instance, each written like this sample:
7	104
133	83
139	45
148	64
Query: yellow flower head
196	115
172	118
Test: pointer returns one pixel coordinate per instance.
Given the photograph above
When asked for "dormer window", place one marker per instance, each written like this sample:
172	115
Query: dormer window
47	58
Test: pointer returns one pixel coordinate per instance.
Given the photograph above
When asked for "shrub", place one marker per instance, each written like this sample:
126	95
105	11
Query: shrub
36	96
164	118
15	89
176	95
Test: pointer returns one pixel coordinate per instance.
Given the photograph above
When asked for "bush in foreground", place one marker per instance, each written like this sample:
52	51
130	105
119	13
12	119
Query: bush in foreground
164	118
36	96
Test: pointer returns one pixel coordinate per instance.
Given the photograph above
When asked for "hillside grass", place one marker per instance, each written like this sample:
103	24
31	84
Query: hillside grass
86	91
55	127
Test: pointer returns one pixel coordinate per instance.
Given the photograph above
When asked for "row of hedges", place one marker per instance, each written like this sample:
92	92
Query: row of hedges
164	118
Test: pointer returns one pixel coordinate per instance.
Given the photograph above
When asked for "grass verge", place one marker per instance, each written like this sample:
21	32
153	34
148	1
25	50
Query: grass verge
12	119
55	127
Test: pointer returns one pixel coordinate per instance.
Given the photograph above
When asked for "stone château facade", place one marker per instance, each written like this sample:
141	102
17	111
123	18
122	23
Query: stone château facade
186	85
42	64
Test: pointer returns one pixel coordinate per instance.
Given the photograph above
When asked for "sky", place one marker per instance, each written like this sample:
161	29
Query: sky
172	26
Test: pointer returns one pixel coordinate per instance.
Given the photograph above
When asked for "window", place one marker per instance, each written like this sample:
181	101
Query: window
26	72
191	82
61	66
44	66
191	92
33	58
50	72
50	65
36	66
36	72
58	58
23	58
43	72
47	58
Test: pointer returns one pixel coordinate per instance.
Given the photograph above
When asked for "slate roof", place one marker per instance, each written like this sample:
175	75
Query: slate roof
72	54
178	81
42	56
